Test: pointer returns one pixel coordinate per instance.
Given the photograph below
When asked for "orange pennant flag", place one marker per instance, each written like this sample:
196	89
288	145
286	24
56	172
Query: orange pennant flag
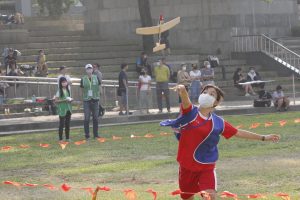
239	126
89	190
104	188
116	138
79	142
154	194
256	196
24	146
63	145
130	194
149	135
44	145
297	121
12	183
101	140
6	148
30	184
176	192
255	125
227	194
65	187
283	196
49	186
282	122
268	124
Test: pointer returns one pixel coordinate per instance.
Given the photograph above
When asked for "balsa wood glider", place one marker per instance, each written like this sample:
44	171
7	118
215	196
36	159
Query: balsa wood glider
160	28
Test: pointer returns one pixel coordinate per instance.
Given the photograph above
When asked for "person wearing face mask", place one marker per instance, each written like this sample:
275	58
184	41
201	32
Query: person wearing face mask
63	100
207	74
90	84
254	76
195	75
144	91
183	78
280	101
198	130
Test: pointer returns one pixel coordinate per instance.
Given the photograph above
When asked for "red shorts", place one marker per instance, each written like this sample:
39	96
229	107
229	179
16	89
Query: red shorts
194	182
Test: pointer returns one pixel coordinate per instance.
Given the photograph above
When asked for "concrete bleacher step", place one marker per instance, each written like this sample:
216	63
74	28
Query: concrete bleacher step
55	33
84	56
67	38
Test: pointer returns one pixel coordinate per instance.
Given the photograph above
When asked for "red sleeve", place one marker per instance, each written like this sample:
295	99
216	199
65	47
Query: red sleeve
229	130
185	111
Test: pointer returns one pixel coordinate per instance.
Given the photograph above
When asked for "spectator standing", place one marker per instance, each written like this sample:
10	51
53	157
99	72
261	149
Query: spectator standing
195	75
63	100
238	77
142	63
280	100
162	75
42	67
10	59
183	78
144	91
91	95
123	89
97	72
207	74
253	75
63	73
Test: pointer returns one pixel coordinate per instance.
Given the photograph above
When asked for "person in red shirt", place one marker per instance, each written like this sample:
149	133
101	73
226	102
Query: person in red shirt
198	131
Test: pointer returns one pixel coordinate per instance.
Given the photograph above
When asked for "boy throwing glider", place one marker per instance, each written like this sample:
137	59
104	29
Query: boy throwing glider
198	131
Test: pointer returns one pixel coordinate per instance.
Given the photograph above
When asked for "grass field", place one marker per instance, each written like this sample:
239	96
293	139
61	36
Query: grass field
141	163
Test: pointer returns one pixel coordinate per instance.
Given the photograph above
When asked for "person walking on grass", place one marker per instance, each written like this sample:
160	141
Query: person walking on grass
144	91
63	100
198	130
91	95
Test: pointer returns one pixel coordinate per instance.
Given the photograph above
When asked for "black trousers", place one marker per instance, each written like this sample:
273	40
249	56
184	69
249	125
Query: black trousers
64	122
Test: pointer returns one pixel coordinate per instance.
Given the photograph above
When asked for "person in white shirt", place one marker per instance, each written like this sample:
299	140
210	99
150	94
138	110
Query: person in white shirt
144	91
207	74
195	75
280	100
62	73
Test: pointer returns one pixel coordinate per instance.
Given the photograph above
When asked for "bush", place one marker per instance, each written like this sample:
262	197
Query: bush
55	7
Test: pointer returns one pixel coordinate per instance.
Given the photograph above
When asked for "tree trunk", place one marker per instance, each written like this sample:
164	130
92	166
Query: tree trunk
146	21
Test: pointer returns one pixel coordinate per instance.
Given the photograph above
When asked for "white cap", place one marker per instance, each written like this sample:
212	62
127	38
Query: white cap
88	66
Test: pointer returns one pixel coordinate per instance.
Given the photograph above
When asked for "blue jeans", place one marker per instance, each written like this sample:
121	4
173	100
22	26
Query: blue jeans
91	106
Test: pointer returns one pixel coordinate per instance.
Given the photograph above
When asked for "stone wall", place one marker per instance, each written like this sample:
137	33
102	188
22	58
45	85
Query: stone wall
206	24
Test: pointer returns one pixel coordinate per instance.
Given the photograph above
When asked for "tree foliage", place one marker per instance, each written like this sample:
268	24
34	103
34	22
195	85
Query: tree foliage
55	7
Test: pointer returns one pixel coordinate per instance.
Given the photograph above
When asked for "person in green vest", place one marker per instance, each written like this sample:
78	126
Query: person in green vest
63	101
90	85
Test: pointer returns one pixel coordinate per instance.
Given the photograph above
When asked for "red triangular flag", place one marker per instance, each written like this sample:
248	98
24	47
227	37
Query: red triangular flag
227	194
12	183
282	122
255	196
268	124
44	145
116	138
130	194
65	187
176	192
149	135
49	186
283	196
154	194
6	148
30	184
104	188
24	146
89	190
79	142
254	125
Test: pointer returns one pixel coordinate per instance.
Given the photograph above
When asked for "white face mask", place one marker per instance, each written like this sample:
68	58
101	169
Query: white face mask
208	66
89	71
206	100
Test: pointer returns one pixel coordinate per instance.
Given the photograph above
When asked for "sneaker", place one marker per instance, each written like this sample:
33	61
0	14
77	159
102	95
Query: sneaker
247	95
